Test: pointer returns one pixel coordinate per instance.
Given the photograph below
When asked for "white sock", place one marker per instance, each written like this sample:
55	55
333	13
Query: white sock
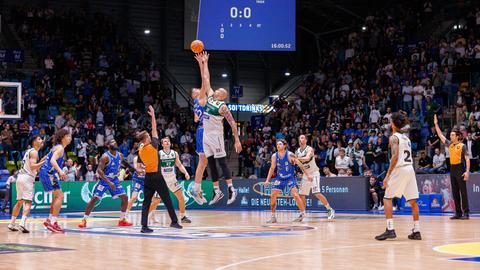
14	218
50	216
416	225
217	190
302	213
182	215
197	187
390	224
273	215
23	221
86	216
53	219
122	215
328	207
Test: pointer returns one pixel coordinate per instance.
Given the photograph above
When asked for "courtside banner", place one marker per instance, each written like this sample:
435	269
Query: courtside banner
473	189
343	193
78	194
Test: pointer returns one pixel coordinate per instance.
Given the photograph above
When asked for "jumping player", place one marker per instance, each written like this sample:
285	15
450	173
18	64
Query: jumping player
213	140
168	160
50	179
284	161
306	156
26	184
200	98
108	169
400	179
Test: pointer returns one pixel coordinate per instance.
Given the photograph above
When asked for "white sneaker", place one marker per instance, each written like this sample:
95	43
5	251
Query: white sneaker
197	196
218	196
380	208
272	220
299	218
232	196
394	208
330	214
12	227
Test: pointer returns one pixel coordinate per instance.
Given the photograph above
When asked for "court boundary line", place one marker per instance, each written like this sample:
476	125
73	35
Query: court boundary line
303	251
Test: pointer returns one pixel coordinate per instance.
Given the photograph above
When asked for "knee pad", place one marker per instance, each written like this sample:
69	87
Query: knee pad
225	170
213	169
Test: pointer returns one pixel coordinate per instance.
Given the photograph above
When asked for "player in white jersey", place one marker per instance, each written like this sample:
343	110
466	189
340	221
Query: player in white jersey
26	184
400	179
213	140
168	160
306	155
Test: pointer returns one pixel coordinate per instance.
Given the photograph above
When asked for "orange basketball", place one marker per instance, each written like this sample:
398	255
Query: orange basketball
196	46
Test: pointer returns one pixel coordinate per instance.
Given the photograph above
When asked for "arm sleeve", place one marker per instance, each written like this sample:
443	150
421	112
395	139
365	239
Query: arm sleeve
448	142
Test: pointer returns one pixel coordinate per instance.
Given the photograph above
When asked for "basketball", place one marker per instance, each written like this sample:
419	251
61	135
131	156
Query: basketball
196	46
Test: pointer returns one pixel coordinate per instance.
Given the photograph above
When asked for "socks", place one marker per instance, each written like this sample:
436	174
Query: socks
217	189
182	215
302	213
122	215
12	221
416	226
53	219
86	216
328	207
390	224
23	221
50	216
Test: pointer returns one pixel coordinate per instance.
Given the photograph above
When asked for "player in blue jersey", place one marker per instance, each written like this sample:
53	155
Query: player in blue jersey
108	169
51	174
200	98
138	180
284	161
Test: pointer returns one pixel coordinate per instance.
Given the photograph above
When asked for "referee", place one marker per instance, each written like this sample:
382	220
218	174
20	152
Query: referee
458	174
154	181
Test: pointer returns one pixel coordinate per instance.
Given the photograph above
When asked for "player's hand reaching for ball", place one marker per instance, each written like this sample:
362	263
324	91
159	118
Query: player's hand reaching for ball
205	56
199	58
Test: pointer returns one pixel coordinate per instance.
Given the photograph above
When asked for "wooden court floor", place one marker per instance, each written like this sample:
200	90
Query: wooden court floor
242	240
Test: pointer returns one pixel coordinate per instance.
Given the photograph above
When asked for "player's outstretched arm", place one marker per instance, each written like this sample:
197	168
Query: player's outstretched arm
273	165
151	112
206	90
310	154
439	131
393	142
228	115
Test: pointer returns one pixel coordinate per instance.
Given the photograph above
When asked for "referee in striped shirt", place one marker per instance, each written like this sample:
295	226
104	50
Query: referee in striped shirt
154	181
458	173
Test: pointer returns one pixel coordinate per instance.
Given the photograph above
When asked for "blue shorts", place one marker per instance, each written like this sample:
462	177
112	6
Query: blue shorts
102	186
199	141
284	185
50	181
138	183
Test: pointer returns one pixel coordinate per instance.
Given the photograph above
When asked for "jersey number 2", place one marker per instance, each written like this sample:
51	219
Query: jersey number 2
408	155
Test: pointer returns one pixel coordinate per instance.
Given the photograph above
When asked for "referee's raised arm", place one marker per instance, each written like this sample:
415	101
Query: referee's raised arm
151	112
439	131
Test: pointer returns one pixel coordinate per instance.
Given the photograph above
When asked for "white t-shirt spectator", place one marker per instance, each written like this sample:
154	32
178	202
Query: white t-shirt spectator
99	117
418	90
342	163
407	93
60	121
438	160
71	173
90	176
100	140
186	138
82	149
374	115
109	134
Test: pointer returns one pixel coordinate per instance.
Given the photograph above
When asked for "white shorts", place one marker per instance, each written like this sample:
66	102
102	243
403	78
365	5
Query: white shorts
214	145
25	187
402	183
306	185
172	184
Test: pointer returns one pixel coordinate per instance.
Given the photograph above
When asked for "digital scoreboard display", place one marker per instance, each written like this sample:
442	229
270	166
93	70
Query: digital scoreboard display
241	25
